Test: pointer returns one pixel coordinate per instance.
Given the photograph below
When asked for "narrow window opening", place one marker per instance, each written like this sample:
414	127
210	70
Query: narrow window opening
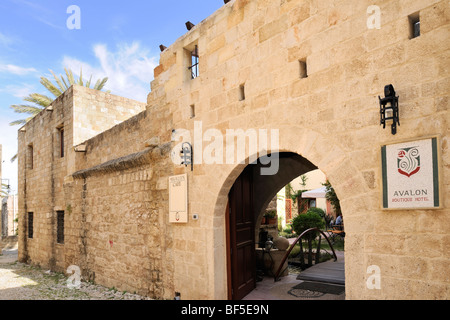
61	141
194	63
30	225
303	69
60	227
414	25
192	111
242	92
30	156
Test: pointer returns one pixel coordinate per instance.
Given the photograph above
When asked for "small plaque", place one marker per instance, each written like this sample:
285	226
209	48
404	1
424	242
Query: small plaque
411	175
178	201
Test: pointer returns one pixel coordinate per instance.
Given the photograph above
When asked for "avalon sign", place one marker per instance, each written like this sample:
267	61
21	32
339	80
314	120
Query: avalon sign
410	175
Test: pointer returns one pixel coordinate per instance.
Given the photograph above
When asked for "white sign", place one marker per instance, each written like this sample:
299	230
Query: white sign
410	175
178	201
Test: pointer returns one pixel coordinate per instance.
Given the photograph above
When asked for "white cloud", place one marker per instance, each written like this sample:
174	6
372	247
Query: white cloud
129	69
20	71
19	91
4	40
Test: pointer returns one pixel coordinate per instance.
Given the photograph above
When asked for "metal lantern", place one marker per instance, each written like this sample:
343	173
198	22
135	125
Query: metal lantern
389	109
186	154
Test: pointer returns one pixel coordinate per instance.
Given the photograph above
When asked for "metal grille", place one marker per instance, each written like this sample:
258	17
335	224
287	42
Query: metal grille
194	66
30	225
60	227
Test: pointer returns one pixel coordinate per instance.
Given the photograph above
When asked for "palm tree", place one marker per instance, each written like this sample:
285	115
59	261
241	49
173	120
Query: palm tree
40	101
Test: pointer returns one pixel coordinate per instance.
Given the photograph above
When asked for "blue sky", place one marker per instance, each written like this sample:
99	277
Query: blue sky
116	39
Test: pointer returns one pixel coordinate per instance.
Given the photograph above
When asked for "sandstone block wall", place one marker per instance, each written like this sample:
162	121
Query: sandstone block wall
44	185
330	117
116	193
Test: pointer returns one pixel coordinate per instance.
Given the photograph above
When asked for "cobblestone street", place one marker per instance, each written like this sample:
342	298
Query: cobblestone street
19	281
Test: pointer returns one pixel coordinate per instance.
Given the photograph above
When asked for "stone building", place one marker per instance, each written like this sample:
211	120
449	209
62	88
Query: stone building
94	168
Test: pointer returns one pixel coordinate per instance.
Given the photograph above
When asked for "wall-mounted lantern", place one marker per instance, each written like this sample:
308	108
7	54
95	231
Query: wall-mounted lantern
389	109
186	155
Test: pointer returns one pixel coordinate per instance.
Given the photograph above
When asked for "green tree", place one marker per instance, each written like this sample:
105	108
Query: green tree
332	197
41	101
303	222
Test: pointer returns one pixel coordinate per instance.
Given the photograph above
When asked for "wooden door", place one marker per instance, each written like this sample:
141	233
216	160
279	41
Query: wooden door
242	237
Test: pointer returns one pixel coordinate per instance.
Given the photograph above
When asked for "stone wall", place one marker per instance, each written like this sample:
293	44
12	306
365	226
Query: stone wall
330	117
115	194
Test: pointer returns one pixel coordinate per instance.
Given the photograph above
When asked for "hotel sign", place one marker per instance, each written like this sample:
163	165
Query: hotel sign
411	175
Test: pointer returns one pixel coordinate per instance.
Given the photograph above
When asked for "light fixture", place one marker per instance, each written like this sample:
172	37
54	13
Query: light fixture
186	155
162	47
389	113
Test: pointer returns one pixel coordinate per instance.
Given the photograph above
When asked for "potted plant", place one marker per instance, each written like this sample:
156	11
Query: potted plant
271	217
264	220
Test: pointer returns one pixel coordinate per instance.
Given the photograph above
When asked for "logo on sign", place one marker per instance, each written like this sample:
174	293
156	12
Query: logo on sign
408	161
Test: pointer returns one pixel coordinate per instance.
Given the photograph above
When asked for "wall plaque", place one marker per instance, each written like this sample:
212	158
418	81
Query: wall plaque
178	199
411	175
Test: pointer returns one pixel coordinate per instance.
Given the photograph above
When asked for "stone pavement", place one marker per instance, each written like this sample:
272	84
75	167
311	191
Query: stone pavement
19	281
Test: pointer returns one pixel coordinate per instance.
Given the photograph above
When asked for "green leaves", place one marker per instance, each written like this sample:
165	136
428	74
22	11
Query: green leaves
303	222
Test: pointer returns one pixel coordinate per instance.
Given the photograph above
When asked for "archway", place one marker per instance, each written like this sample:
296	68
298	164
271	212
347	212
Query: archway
248	198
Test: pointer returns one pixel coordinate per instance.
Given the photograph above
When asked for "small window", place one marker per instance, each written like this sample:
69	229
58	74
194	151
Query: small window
60	227
242	92
30	156
194	63
192	111
30	225
414	25
303	69
61	141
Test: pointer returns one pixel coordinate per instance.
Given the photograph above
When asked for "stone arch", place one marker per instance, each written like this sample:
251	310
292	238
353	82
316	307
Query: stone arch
321	151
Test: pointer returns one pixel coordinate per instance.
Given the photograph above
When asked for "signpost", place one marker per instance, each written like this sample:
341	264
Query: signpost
410	173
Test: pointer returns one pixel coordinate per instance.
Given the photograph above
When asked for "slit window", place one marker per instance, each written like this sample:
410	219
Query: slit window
30	225
192	111
30	156
242	92
60	227
303	69
193	68
414	25
61	141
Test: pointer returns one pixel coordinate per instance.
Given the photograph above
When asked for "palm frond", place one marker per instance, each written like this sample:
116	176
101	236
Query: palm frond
23	108
88	84
100	84
50	87
65	83
14	157
18	122
39	99
61	86
69	75
80	81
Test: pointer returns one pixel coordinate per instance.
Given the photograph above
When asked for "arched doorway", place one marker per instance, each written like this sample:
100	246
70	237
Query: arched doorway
248	198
